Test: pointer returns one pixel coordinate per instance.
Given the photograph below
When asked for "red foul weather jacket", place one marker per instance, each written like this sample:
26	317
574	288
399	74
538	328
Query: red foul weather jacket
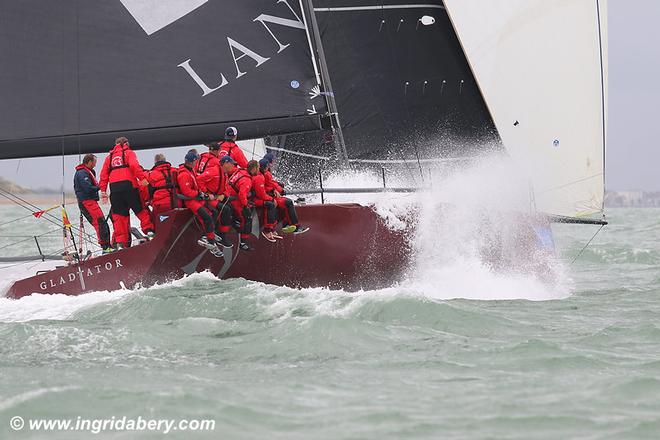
229	148
210	176
239	186
121	165
271	183
187	182
259	189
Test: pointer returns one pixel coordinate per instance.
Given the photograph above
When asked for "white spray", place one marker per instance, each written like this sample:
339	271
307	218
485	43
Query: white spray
460	222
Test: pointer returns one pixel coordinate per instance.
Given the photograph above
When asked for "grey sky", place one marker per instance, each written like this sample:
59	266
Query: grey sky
633	156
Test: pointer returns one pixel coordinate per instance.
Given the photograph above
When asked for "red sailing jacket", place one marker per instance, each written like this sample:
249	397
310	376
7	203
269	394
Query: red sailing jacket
271	183
162	183
210	176
259	188
121	165
187	182
229	148
239	185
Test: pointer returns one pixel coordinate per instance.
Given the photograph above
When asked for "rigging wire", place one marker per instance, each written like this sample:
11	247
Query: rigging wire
31	207
16	220
586	245
29	238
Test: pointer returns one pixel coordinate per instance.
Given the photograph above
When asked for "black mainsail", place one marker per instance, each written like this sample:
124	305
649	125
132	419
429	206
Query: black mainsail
402	83
77	73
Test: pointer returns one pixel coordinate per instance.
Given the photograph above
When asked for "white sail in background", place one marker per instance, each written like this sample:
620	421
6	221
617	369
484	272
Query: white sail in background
542	69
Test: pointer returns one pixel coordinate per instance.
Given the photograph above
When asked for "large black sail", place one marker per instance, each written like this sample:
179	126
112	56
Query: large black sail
77	73
401	81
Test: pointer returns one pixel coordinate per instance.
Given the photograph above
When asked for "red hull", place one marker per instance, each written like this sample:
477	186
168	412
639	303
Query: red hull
348	247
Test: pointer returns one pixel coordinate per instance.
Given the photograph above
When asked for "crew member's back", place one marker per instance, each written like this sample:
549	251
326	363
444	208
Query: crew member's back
121	172
230	148
162	183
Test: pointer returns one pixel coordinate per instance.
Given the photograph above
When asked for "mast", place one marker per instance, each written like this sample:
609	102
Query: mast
307	7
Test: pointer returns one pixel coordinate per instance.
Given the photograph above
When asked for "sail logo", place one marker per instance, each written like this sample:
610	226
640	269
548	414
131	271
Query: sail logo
154	15
238	51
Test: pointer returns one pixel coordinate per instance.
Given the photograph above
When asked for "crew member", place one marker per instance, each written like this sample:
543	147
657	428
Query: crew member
273	187
87	193
194	199
213	180
122	171
231	149
263	200
239	184
285	207
162	186
144	190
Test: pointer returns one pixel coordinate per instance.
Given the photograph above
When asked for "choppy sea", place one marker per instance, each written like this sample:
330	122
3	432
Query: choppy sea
462	353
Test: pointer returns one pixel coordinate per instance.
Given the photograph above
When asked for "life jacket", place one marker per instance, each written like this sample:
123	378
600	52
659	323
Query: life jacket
162	185
210	176
239	184
204	160
231	149
187	182
121	169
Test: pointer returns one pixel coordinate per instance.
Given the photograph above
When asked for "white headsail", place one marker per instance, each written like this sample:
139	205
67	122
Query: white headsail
542	69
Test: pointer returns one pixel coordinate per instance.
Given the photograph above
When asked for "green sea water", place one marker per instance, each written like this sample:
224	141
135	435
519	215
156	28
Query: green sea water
580	359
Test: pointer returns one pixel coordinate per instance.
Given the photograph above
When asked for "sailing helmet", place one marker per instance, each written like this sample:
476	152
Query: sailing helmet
263	163
231	132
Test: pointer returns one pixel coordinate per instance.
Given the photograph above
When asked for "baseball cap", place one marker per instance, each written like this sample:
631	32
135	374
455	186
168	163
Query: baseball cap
227	159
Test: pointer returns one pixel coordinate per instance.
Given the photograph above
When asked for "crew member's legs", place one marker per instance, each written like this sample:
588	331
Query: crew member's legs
120	219
288	211
203	215
222	219
269	216
243	218
207	220
141	211
92	212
